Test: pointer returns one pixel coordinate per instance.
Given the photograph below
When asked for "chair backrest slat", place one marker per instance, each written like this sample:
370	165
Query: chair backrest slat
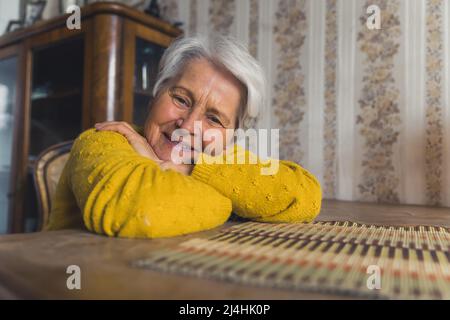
47	170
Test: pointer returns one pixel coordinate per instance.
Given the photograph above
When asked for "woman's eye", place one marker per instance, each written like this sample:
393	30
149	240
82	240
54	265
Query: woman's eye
180	101
215	120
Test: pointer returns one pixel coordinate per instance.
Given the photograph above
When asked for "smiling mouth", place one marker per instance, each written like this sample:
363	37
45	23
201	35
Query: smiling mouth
175	143
168	140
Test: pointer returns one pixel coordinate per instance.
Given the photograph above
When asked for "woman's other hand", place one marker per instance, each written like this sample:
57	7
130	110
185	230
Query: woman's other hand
138	142
141	146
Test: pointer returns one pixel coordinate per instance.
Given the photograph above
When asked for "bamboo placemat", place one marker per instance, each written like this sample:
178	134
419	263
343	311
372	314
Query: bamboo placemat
327	257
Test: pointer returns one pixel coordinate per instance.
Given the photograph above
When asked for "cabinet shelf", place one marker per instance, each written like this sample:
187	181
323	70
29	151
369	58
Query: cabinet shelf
57	95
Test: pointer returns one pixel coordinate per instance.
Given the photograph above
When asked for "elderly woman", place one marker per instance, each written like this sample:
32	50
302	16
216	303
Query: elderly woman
121	181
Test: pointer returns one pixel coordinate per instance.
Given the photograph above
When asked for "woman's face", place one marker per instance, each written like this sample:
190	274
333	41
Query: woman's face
203	92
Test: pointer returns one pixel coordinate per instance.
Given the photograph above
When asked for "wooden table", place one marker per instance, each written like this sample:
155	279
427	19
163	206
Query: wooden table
34	265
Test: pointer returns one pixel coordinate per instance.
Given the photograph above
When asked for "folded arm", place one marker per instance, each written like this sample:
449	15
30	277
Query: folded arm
290	195
124	194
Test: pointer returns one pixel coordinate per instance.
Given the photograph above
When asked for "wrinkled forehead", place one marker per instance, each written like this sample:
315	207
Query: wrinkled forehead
212	85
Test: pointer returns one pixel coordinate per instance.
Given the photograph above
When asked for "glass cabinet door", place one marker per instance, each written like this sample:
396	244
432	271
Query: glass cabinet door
56	97
147	59
56	107
8	80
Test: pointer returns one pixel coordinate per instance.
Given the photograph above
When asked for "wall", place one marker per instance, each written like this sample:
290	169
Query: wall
365	110
9	10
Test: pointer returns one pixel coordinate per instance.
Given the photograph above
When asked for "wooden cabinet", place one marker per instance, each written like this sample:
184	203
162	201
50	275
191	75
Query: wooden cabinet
56	82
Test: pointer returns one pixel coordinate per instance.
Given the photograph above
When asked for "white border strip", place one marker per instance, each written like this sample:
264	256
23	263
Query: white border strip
413	180
242	21
347	20
203	17
316	86
184	14
446	106
265	47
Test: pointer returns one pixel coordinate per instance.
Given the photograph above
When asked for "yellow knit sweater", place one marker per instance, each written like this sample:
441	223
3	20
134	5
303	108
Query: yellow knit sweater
121	193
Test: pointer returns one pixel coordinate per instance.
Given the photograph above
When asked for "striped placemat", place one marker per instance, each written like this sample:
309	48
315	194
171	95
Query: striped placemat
329	257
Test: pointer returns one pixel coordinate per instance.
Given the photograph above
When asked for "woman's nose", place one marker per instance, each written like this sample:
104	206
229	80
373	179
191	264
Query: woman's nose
188	121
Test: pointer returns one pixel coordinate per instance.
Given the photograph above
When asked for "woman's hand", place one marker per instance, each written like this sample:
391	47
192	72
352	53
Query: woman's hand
138	142
141	146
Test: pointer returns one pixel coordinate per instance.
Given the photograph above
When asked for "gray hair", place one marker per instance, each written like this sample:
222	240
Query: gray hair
223	51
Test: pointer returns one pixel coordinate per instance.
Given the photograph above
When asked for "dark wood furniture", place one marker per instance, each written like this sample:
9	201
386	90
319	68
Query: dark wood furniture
60	82
34	265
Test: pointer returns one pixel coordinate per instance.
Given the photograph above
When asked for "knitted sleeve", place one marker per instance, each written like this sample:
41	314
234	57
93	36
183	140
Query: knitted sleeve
292	194
121	193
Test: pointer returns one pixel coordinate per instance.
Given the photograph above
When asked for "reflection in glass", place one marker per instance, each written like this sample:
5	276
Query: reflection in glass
7	104
56	107
146	69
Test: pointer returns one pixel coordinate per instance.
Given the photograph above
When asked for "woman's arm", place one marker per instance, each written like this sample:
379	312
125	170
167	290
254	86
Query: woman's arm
291	195
122	193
